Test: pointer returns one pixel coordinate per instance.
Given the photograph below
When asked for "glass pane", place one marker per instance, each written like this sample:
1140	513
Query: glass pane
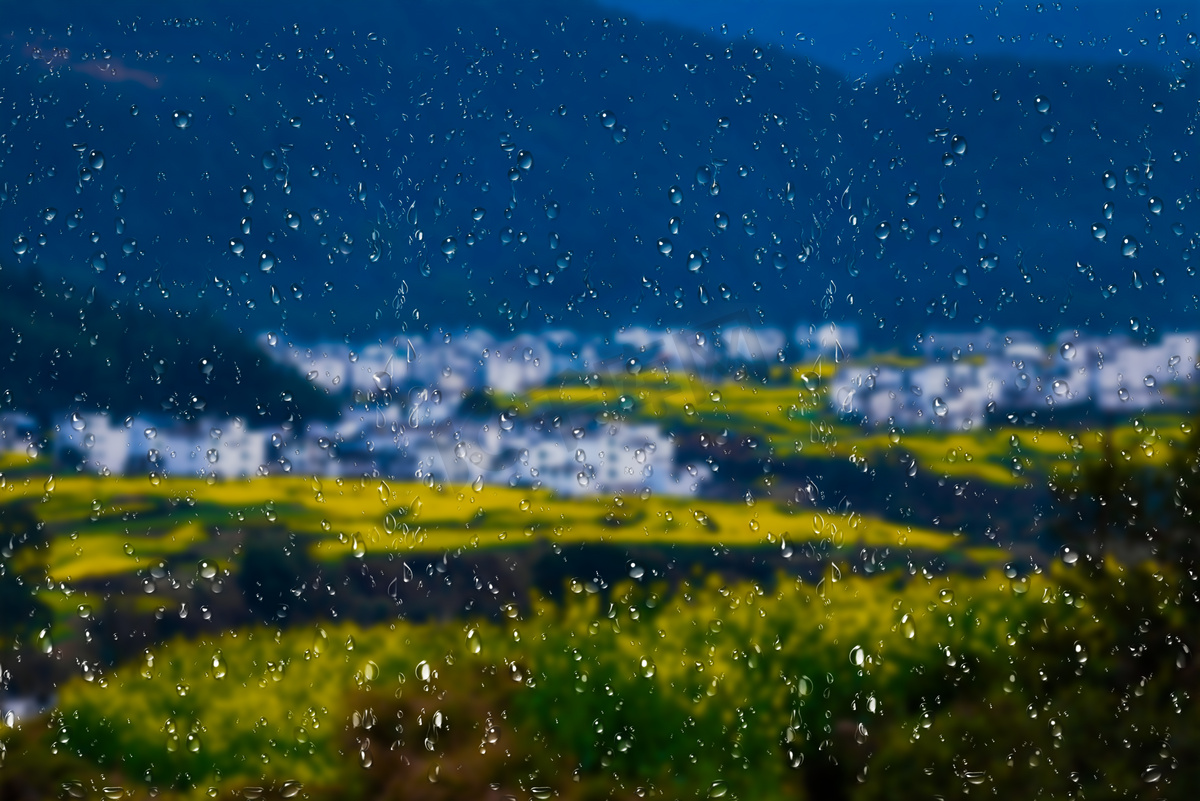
598	400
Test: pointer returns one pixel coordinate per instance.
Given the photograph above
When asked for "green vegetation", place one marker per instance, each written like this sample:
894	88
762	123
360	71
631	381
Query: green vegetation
801	691
850	682
56	338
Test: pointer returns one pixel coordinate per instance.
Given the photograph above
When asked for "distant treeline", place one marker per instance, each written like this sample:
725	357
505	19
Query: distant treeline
67	347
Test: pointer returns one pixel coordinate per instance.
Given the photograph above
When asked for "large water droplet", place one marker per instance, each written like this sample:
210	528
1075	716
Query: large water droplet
182	118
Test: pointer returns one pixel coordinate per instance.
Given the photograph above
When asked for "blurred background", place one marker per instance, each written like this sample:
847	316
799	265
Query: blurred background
593	401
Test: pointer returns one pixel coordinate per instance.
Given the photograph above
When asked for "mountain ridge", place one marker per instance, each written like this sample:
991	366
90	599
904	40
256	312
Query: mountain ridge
566	140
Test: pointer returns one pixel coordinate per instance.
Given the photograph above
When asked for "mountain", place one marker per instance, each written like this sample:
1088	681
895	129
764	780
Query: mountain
439	165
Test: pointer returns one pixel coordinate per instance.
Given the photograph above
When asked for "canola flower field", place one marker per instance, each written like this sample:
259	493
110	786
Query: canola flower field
713	690
106	525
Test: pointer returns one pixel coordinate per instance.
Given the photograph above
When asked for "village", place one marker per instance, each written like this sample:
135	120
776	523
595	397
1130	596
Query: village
412	407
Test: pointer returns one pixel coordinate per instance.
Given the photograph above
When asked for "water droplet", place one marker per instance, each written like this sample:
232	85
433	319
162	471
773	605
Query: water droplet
213	456
1099	231
357	547
182	118
1068	351
695	261
958	145
608	119
721	220
1129	247
449	246
1042	104
1049	133
675	194
939	407
423	671
665	247
383	381
882	230
1060	388
99	261
857	656
1149	381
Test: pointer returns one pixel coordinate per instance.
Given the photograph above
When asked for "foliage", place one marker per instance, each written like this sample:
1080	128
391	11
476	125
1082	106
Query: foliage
59	338
852	687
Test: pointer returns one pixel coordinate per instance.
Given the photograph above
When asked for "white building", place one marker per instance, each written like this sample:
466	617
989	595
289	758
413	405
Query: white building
224	448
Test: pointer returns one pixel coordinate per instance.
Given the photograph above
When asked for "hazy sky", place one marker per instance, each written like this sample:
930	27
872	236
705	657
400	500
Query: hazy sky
872	35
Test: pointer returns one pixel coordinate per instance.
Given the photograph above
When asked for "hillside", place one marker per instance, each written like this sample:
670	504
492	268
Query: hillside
434	168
